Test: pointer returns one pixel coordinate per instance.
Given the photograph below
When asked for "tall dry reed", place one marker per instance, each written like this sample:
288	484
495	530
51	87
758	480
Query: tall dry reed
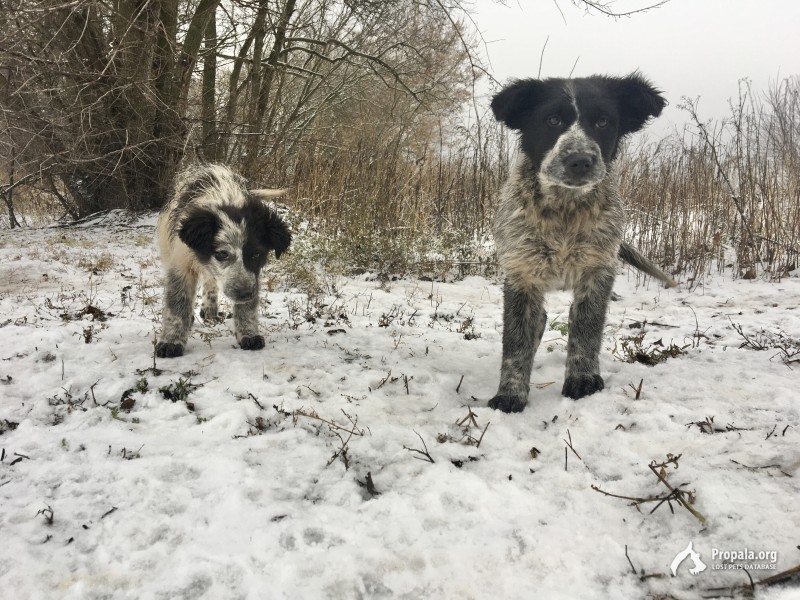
725	195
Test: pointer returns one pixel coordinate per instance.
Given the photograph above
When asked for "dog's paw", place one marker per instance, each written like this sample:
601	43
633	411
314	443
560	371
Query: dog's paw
582	385
508	404
210	316
252	342
168	350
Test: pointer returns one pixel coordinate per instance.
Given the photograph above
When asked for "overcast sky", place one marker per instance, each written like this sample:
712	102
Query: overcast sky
694	48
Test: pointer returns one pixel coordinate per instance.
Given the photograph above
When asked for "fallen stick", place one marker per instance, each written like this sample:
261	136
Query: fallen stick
313	415
678	496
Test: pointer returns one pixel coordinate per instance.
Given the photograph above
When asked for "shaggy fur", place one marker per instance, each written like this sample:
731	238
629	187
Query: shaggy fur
560	219
216	231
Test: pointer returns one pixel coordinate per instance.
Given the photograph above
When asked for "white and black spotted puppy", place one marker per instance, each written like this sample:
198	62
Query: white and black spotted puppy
559	221
216	231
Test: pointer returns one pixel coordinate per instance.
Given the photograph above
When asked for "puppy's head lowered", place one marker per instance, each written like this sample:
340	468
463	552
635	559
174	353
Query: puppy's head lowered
570	129
232	242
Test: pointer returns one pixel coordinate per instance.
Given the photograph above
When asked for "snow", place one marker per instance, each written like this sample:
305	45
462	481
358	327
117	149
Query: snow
243	491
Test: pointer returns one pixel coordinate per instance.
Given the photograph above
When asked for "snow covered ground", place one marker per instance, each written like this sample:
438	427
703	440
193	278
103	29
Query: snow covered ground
300	471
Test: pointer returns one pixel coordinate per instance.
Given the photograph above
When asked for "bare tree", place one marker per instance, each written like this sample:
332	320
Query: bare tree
96	93
103	97
608	8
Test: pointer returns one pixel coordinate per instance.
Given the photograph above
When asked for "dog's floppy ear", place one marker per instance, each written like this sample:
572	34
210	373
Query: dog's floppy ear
638	102
511	103
274	233
198	230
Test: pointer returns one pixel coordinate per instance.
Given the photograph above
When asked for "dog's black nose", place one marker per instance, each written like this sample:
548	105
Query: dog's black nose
579	164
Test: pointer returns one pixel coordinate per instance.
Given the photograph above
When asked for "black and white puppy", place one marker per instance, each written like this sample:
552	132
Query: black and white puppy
216	230
559	222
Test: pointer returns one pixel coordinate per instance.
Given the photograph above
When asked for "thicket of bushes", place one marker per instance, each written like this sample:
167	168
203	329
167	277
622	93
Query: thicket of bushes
352	105
724	195
727	194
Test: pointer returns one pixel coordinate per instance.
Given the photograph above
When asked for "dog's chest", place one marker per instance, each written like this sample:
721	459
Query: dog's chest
552	250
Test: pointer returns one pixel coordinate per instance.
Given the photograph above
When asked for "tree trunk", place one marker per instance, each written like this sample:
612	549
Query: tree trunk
233	97
260	98
9	197
155	169
209	111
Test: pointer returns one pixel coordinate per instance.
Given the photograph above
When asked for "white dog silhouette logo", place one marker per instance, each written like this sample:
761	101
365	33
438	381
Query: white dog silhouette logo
699	565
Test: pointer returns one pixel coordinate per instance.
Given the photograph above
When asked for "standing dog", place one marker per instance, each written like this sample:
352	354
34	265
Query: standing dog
216	229
560	219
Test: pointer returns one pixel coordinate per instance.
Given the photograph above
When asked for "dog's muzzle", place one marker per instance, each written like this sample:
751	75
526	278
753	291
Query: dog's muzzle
580	165
580	169
574	162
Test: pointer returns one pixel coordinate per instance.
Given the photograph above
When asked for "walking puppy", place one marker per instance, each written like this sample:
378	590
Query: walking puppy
560	219
217	230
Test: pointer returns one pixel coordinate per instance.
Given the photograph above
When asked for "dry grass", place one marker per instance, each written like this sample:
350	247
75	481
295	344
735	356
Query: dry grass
726	195
722	196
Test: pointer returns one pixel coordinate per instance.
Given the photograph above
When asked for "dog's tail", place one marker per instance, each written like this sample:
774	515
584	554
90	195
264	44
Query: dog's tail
266	194
632	256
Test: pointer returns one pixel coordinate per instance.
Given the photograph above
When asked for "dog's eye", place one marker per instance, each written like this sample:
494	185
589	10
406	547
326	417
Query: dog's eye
221	255
554	121
602	123
256	255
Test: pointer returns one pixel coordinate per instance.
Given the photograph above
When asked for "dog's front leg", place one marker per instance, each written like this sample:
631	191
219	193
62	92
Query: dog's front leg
177	317
587	317
245	322
209	308
524	319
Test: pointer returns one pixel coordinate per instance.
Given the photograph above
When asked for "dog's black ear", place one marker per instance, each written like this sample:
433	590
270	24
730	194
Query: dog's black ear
198	231
511	103
638	101
274	233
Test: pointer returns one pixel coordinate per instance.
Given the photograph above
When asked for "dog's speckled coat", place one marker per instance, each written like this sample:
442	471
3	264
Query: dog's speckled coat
560	219
217	230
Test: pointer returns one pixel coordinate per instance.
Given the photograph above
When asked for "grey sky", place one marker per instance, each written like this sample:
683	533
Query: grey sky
687	47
